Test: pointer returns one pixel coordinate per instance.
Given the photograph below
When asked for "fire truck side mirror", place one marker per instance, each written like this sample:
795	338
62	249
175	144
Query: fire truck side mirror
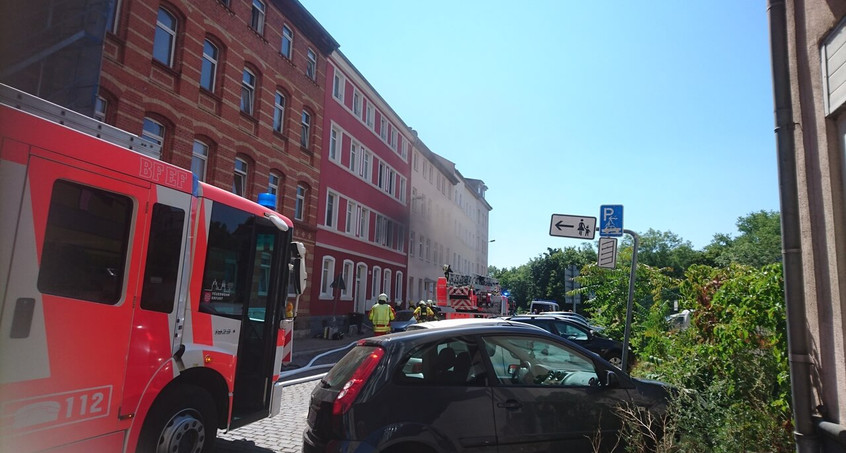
298	267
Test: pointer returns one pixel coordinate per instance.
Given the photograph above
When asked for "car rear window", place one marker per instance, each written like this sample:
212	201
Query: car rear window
344	369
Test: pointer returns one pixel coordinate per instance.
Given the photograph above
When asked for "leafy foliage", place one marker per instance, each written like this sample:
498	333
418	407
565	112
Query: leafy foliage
731	363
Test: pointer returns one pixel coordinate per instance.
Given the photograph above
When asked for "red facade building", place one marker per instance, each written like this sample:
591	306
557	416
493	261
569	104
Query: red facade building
231	89
362	220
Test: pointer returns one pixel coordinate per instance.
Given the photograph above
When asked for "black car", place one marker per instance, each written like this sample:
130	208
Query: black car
481	388
608	349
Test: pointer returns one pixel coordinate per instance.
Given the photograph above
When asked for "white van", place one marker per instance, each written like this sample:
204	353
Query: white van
540	306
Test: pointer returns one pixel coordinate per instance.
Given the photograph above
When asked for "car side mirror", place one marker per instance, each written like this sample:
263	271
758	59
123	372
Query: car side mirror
611	379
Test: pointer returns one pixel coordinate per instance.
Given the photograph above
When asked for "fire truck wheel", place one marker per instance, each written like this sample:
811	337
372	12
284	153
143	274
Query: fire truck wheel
180	421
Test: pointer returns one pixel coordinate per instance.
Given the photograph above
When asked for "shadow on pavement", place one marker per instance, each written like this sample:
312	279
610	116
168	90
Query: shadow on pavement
239	446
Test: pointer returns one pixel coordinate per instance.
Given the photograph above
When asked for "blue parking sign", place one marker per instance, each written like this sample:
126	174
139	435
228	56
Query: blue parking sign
611	220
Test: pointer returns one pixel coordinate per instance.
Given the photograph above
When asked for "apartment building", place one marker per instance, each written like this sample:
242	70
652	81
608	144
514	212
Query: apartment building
449	222
363	198
231	89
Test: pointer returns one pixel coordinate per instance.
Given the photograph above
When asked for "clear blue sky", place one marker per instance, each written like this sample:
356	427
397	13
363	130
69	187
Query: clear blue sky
562	106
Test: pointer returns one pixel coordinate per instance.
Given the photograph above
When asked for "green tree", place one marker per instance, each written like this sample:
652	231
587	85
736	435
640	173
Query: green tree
666	250
758	244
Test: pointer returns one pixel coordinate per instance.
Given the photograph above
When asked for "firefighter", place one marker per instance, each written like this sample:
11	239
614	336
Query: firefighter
423	313
381	316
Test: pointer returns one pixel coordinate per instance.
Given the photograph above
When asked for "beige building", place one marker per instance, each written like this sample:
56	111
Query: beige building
809	77
449	223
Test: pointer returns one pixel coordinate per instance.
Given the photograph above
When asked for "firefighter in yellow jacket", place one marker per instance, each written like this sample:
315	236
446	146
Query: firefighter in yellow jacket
381	316
423	313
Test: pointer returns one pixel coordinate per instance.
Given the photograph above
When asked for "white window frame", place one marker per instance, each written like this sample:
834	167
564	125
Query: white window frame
327	276
356	103
287	37
333	144
354	157
338	86
386	282
209	61
258	12
153	131
248	91
305	132
366	169
100	107
279	111
411	241
350	217
398	287
376	283
300	204
164	31
273	181
331	219
383	128
369	115
112	24
311	64
239	177
347	274
199	159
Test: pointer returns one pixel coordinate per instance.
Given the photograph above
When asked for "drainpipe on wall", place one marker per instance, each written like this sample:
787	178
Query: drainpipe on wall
797	334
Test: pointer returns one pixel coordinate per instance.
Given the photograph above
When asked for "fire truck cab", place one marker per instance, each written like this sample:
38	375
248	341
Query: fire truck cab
140	309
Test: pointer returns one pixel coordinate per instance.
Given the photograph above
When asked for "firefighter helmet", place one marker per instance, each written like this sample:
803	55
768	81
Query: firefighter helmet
383	298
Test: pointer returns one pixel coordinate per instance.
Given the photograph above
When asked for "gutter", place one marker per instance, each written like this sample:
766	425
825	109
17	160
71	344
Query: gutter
797	332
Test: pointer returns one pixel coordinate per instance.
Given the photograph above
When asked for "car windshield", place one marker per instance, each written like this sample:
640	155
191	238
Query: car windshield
404	315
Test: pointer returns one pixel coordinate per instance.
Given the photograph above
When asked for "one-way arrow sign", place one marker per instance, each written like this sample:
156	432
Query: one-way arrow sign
572	226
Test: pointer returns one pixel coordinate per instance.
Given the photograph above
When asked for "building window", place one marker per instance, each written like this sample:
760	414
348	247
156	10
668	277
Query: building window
353	157
347	274
369	115
333	144
239	180
100	106
287	42
338	87
153	132
199	157
398	287
366	170
278	111
208	72
349	219
363	226
248	92
386	283
327	276
331	213
306	129
376	287
165	38
357	104
311	64
411	249
299	206
112	19
383	129
257	17
273	181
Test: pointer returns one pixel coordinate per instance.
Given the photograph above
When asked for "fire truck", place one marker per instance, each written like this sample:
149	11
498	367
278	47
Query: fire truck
471	296
142	310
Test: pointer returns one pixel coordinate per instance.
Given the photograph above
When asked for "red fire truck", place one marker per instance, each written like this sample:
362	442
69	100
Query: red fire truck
142	310
471	296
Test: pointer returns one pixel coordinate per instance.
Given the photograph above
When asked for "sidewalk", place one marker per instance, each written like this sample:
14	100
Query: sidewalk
308	349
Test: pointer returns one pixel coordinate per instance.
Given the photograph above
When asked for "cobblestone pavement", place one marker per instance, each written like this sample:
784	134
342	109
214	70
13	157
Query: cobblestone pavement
280	434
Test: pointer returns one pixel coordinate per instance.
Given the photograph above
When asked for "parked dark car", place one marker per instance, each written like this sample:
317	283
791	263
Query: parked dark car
402	320
608	349
483	388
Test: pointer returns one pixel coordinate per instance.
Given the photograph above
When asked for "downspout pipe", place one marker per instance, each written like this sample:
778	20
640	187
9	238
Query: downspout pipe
797	333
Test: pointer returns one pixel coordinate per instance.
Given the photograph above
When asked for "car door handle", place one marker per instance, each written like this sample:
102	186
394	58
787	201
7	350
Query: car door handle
510	404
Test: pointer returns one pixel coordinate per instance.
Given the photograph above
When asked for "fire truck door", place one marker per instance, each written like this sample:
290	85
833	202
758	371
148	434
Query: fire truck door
67	308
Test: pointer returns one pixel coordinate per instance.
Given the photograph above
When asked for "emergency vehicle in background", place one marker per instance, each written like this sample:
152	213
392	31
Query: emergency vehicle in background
141	309
471	296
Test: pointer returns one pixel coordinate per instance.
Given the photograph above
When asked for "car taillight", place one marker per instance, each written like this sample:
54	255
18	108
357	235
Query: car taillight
347	395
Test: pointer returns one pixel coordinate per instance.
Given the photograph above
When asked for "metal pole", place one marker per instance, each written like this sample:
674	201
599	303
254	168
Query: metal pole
632	276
